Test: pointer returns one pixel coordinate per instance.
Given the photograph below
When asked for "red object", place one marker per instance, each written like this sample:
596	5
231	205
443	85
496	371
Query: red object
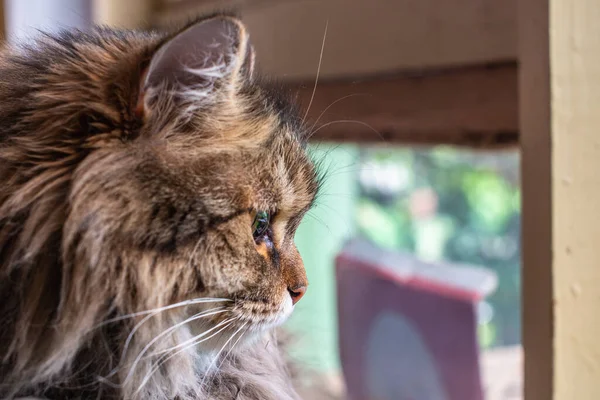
407	327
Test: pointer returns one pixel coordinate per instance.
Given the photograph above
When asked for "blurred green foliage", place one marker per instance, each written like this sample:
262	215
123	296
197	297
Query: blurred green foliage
453	205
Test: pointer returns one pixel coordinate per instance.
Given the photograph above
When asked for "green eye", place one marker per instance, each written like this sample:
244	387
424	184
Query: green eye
260	224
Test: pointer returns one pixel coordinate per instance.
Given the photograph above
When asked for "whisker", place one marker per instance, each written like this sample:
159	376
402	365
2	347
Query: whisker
347	121
335	168
326	153
232	346
159	363
164	333
341	195
130	336
318	73
337	213
191	339
351	172
212	364
159	310
308	214
166	357
332	104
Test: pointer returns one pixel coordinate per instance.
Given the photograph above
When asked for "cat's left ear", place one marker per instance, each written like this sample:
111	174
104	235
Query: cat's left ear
203	62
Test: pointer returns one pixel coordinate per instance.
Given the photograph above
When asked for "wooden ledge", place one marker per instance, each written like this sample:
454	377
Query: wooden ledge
472	106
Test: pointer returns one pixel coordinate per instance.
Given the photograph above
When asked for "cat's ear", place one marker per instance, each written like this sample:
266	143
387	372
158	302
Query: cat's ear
202	62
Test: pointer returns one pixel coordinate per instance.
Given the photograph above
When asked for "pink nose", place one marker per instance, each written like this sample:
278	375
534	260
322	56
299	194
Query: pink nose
297	293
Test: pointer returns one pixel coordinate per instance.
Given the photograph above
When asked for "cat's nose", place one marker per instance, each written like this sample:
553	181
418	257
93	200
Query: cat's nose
297	293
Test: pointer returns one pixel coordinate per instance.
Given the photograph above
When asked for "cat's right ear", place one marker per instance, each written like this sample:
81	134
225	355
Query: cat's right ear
199	65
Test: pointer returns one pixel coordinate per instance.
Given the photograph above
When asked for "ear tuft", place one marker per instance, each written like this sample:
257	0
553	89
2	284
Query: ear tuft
210	56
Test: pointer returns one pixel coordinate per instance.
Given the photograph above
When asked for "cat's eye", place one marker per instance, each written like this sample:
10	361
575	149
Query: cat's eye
260	224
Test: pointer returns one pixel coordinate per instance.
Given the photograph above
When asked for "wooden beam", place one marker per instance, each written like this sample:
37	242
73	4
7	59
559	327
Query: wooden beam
559	93
365	38
130	14
474	106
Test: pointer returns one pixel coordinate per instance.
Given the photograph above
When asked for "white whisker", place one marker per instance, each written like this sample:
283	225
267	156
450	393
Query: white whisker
318	73
164	333
161	361
347	121
232	346
185	343
332	104
208	370
159	310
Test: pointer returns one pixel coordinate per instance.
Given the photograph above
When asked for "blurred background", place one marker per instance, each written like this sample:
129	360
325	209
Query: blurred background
415	120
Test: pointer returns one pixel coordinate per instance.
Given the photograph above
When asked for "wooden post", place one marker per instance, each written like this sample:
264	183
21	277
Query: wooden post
560	132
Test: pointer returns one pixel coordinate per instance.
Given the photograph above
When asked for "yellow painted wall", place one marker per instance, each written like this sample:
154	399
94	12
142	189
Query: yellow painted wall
575	108
559	52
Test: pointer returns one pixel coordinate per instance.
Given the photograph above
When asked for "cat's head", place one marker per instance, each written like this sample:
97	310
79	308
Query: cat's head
205	200
161	181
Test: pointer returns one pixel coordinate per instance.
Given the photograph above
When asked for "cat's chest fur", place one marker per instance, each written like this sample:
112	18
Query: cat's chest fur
260	372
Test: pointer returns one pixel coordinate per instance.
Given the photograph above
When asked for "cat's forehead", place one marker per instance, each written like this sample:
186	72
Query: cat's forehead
257	122
293	174
262	151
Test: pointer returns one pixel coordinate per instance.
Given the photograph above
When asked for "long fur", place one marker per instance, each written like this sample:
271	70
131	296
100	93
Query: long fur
126	206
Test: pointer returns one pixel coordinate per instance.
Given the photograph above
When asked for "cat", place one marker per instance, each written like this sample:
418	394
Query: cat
150	188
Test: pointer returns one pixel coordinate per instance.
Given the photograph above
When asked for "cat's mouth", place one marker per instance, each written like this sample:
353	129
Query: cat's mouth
259	316
244	317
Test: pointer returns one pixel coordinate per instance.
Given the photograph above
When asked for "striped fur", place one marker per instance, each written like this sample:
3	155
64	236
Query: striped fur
129	182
